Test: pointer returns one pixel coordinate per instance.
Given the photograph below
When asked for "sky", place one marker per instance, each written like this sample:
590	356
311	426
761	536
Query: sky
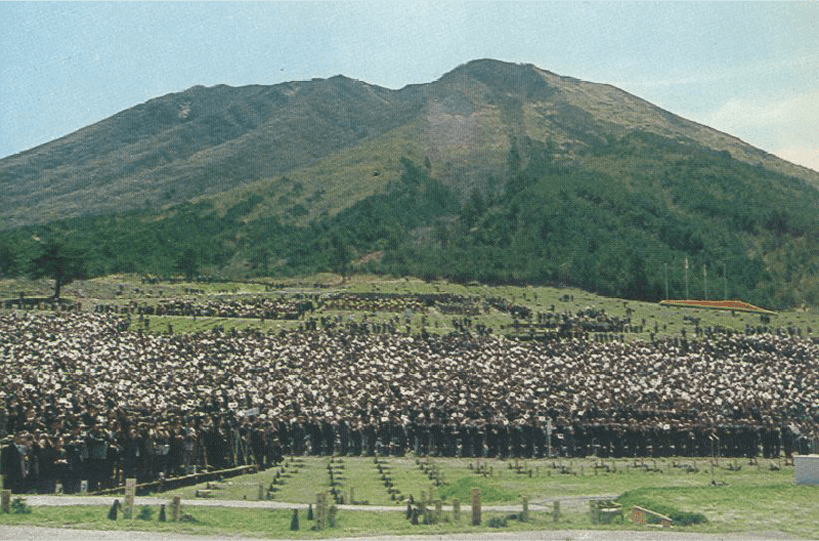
750	69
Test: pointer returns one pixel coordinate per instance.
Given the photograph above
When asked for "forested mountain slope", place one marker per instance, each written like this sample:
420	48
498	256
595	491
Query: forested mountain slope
496	172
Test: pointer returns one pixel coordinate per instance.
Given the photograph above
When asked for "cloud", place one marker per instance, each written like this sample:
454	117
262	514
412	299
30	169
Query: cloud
808	157
799	111
787	127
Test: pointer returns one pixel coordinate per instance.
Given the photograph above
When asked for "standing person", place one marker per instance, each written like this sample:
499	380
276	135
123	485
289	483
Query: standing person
581	440
131	454
356	437
47	457
189	442
31	464
370	436
328	434
298	434
256	441
176	453
11	464
99	465
76	455
344	438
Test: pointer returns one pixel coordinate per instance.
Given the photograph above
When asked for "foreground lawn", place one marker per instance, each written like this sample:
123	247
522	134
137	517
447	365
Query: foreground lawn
275	523
776	508
752	499
299	479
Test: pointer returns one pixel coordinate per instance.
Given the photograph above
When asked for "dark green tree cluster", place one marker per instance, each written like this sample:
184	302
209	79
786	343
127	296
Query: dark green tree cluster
52	254
625	218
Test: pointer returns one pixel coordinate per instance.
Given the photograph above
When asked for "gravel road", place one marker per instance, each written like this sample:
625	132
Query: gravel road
566	503
36	533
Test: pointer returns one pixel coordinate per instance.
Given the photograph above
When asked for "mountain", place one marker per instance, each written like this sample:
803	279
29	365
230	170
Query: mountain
497	172
204	141
201	141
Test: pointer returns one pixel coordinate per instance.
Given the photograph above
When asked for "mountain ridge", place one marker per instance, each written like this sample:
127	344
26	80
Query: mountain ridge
207	140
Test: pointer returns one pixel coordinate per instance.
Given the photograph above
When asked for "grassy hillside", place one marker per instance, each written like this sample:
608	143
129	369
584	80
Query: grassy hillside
648	318
621	222
207	141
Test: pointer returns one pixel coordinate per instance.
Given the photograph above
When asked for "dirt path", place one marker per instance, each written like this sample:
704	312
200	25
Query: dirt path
570	502
37	533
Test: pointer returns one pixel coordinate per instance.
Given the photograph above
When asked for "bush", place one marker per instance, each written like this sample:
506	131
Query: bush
687	518
145	513
680	518
19	506
497	522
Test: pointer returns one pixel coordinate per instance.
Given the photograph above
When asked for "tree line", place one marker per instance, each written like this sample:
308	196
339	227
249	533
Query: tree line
640	217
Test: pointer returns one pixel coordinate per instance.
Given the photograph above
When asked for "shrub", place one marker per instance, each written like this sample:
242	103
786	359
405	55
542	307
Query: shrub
680	518
145	513
687	518
19	506
497	522
331	516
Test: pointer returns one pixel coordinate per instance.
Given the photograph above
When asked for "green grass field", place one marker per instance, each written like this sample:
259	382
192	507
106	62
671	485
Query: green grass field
752	499
504	481
267	523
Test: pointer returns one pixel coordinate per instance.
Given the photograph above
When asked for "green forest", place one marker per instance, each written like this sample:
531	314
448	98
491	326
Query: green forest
621	220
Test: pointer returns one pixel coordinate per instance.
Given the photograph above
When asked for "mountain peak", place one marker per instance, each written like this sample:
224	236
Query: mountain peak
488	69
523	81
484	64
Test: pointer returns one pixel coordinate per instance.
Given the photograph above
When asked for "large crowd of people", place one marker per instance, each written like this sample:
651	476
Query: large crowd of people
253	307
81	398
300	305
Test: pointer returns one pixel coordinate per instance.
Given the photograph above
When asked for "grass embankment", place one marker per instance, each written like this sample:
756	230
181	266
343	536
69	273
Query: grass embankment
651	318
738	306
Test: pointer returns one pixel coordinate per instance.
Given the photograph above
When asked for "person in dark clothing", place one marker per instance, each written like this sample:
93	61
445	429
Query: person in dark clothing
328	436
13	468
131	455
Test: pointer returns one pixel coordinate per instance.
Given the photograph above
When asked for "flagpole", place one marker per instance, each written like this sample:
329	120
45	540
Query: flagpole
725	282
686	278
705	281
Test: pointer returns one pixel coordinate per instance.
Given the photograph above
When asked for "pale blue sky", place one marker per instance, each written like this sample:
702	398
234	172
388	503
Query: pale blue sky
748	68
